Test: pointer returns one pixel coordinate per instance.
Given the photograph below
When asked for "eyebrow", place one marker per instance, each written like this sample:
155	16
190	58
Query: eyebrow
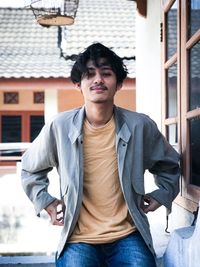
101	66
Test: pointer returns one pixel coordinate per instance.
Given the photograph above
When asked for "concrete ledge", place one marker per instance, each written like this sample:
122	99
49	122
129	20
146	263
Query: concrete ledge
27	261
37	261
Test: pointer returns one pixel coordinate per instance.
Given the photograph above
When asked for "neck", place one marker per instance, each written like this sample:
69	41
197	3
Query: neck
99	115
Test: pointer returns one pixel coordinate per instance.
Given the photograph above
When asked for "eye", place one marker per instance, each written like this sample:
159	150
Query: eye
106	74
89	74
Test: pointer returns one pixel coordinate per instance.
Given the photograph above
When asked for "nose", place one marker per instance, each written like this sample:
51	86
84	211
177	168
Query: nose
98	79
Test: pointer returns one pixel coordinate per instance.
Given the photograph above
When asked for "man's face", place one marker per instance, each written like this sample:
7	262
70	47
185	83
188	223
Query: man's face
99	84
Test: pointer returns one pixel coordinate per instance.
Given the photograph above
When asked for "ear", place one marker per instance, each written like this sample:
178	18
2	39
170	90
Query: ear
78	86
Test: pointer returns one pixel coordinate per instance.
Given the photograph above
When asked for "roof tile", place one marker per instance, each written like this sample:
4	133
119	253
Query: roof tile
30	50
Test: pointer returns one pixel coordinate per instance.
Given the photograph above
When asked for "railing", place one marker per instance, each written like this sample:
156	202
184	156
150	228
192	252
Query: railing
7	149
27	261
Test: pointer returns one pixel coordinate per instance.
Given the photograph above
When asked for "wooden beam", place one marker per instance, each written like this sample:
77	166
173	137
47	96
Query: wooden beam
142	7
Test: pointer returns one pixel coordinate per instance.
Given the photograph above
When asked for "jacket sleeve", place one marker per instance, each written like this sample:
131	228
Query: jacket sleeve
37	162
165	168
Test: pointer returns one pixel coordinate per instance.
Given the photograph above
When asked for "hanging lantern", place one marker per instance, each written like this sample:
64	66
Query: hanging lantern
54	12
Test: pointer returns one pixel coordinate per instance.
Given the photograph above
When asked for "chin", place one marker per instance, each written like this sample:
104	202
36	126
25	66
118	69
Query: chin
102	101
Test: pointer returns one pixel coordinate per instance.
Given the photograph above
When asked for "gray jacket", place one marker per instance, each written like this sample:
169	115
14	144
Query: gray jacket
139	145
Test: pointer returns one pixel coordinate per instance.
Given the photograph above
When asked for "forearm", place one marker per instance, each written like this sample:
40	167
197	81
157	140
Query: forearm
37	162
168	188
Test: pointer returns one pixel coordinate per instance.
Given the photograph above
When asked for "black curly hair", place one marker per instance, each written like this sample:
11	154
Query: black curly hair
94	52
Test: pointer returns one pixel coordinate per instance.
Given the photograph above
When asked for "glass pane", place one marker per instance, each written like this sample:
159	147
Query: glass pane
195	150
194	79
172	135
11	133
37	123
171	25
11	129
194	16
172	91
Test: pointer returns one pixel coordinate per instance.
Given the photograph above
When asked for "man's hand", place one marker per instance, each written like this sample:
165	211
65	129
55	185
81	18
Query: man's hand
149	204
56	212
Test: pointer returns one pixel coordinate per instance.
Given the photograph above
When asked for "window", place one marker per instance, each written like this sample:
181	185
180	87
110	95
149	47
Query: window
8	124
181	89
18	126
36	123
11	132
11	98
38	97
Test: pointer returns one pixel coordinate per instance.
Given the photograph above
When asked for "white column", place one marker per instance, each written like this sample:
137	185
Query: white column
148	62
50	104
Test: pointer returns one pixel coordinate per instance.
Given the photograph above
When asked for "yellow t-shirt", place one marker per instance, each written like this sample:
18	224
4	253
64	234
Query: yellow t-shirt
104	215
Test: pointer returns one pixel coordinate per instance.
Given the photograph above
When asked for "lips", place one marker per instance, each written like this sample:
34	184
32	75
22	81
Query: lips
98	88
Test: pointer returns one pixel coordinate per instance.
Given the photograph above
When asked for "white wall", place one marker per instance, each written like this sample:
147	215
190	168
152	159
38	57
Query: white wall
148	62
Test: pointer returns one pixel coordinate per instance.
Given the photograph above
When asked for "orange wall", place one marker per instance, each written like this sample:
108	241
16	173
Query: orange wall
25	102
126	99
69	99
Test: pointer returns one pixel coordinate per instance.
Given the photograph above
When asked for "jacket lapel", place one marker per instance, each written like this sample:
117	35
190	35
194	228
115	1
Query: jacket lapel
123	135
77	125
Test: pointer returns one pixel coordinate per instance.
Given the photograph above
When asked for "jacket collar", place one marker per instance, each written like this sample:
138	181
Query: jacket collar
77	124
122	129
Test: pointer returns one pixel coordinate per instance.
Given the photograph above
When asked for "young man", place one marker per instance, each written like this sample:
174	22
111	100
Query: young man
101	152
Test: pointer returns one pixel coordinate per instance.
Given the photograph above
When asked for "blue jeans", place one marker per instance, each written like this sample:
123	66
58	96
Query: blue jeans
130	251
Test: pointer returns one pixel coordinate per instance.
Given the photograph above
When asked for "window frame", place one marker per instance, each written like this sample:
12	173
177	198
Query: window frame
190	194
